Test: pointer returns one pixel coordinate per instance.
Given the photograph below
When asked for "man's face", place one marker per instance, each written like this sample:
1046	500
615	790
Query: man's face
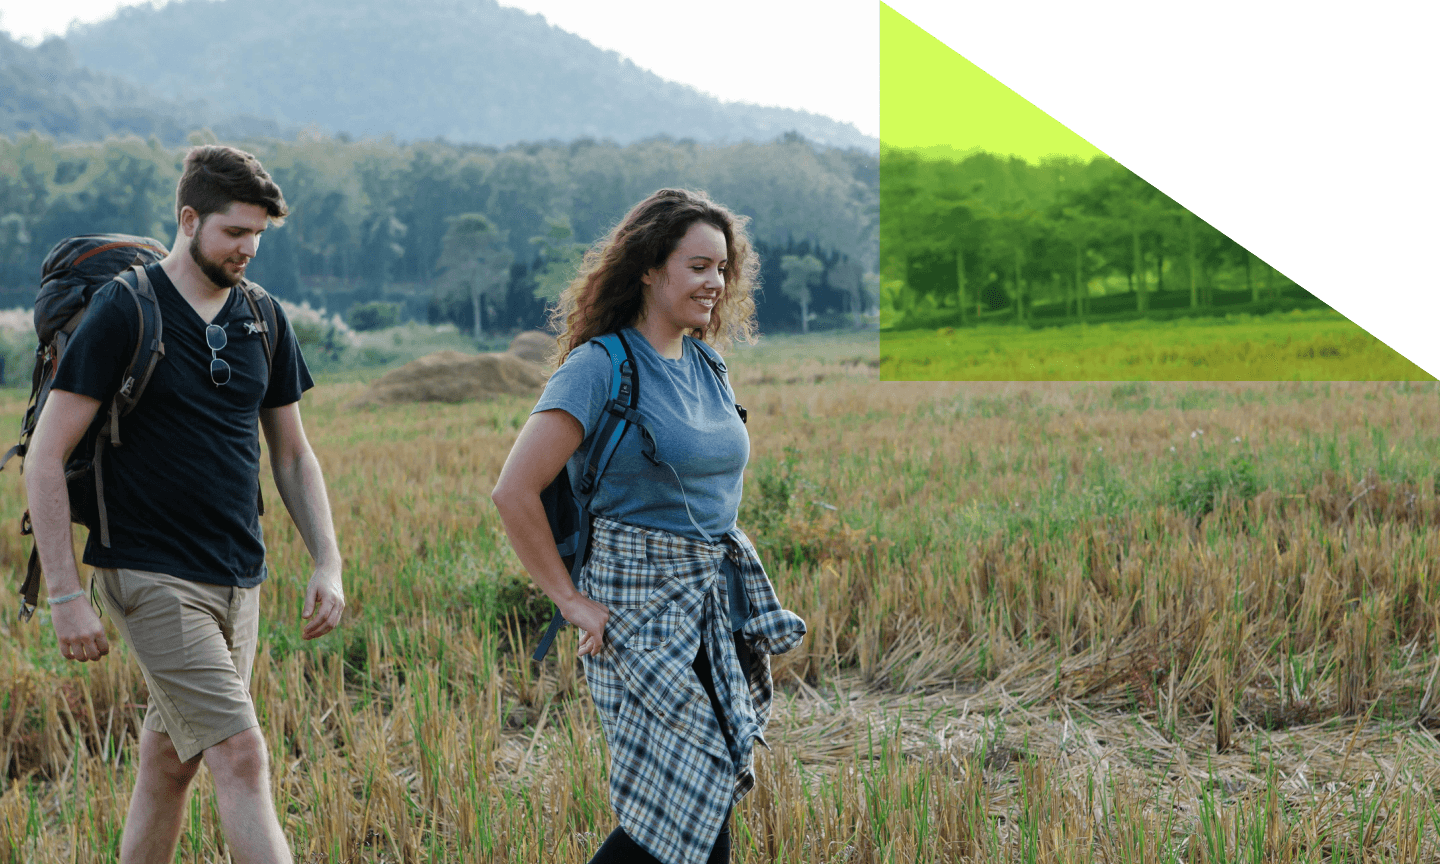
222	243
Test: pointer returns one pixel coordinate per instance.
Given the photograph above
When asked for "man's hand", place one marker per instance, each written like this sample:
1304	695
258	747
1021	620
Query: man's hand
79	631
324	603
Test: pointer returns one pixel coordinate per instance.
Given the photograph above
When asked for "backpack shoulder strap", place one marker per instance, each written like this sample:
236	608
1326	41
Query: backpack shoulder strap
619	413
717	365
619	351
149	348
262	308
709	353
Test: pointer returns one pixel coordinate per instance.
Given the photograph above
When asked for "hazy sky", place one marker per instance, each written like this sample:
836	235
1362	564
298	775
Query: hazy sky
816	56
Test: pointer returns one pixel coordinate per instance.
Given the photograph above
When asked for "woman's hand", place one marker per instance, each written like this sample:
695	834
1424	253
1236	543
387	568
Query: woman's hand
591	618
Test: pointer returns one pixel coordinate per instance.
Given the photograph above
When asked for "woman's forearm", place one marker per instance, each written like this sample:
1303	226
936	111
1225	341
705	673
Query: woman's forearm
545	443
529	531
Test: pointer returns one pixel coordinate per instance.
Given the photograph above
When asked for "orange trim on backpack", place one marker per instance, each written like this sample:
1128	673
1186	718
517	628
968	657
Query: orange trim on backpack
120	245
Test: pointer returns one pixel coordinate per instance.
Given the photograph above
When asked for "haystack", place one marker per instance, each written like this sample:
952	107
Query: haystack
450	376
533	345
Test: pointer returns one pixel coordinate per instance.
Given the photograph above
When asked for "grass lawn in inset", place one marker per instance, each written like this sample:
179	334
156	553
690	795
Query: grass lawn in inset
1291	346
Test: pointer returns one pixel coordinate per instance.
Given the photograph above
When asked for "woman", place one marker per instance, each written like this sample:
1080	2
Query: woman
681	700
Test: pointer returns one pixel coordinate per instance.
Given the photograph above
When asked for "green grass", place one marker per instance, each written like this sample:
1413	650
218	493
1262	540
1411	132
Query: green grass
1292	346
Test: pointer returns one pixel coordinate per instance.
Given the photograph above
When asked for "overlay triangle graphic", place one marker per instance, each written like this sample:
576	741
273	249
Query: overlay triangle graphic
1013	249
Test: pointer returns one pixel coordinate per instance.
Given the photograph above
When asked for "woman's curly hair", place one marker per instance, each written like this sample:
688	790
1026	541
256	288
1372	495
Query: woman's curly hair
607	294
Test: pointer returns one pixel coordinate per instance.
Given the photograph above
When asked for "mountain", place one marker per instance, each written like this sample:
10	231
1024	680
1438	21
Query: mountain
468	71
43	89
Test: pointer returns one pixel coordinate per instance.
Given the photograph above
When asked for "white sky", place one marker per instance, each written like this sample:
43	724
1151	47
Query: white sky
822	57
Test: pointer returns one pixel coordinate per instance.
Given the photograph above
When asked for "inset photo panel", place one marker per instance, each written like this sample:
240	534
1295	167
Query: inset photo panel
1012	249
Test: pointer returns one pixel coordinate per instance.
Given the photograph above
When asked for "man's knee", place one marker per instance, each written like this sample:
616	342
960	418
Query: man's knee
241	758
157	753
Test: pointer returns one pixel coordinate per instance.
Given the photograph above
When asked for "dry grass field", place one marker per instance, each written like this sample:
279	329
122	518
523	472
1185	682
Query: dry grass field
1048	622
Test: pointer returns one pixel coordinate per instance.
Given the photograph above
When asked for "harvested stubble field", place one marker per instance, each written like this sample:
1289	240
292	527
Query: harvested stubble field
1048	622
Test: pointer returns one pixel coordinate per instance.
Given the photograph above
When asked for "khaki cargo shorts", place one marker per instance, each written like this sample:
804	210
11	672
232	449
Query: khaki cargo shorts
196	645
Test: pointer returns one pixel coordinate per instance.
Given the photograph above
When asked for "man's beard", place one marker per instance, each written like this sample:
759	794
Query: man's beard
213	270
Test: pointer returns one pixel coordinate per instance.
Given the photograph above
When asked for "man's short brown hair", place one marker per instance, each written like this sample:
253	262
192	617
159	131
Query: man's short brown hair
216	176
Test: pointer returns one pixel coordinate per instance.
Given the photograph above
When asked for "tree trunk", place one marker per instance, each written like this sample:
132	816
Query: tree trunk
1190	250
1250	284
804	314
1019	291
902	296
960	282
475	304
1142	304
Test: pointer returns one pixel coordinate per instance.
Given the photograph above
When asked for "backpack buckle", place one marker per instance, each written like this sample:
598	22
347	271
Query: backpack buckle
251	327
126	387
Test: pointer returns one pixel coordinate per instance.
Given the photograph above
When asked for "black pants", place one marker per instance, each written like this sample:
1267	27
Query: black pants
618	848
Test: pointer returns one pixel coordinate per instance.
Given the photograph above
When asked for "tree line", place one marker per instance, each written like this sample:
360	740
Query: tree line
475	235
989	239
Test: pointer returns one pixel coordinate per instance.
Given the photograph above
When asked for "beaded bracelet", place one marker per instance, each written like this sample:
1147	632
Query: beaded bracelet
56	601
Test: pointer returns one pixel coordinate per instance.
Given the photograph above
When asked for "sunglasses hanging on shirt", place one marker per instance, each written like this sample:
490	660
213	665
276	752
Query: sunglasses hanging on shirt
219	369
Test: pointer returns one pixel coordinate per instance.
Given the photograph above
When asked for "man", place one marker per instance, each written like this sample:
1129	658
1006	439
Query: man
180	577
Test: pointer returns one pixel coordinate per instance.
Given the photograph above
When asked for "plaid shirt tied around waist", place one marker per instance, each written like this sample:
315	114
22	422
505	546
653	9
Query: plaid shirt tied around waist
673	776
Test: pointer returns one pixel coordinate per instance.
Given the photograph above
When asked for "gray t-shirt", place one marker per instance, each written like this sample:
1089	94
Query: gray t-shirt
692	416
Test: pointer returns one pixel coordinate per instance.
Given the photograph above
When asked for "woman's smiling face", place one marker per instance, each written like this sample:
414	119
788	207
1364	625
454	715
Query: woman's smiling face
680	295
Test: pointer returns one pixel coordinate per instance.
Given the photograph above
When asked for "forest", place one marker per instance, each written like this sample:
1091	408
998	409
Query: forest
375	221
981	239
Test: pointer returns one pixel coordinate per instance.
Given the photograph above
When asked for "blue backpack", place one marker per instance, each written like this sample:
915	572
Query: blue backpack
568	509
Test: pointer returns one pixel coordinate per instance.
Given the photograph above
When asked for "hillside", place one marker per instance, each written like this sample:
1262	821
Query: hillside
44	89
464	70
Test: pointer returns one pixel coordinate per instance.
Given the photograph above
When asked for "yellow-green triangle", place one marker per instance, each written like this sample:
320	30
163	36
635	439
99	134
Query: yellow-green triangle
960	151
931	98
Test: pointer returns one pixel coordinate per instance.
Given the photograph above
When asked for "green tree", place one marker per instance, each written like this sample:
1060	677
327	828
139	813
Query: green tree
383	247
1078	230
802	272
846	278
1016	229
560	258
475	261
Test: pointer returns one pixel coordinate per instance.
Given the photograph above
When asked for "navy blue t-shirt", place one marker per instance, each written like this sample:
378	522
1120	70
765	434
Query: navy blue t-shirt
692	414
181	489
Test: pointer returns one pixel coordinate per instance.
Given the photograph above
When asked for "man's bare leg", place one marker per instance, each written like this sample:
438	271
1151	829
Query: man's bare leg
240	767
157	806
